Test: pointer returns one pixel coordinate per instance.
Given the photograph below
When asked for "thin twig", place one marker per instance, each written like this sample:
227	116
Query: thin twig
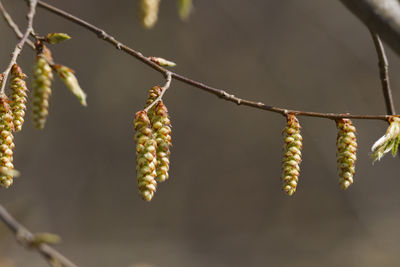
218	92
13	25
163	90
384	73
20	44
26	238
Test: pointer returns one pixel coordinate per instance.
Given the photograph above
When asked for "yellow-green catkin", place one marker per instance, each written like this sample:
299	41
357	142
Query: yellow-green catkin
162	132
18	96
6	141
184	8
292	155
146	147
42	76
149	12
346	144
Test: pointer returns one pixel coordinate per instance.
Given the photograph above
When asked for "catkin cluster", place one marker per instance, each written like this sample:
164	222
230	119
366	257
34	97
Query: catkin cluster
154	129
346	144
6	140
18	96
292	155
145	156
42	77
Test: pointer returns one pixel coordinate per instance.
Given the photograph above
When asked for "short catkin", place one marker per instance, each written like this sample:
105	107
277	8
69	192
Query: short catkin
18	96
292	155
346	144
149	12
6	140
42	77
146	147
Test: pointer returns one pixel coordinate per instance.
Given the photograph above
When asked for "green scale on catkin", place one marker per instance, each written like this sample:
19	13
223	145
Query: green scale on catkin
18	96
346	144
146	160
6	141
42	76
292	155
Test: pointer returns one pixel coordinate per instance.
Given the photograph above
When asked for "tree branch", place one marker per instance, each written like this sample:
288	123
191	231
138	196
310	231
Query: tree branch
381	16
26	239
218	92
13	25
20	44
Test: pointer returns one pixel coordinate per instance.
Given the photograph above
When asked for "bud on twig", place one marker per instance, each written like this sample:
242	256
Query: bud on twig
55	38
146	160
292	155
346	144
162	62
18	96
69	79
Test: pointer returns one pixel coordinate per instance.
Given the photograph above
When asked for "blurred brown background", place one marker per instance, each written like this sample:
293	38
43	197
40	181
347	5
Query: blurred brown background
223	205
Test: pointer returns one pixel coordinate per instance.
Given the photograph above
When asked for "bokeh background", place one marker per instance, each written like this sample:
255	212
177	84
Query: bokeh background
223	205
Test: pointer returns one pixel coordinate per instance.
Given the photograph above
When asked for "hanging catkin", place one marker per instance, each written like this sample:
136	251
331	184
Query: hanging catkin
18	96
42	76
146	161
346	144
292	155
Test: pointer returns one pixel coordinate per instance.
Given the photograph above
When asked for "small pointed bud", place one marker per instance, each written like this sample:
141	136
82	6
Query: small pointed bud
346	144
69	79
292	155
162	62
149	12
55	38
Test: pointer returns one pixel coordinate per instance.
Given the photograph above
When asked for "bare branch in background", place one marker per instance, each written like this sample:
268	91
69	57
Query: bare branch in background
384	73
218	92
13	25
18	48
381	16
27	239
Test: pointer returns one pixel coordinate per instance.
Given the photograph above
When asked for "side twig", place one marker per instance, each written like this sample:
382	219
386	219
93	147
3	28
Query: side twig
13	25
218	92
163	90
384	73
20	44
26	238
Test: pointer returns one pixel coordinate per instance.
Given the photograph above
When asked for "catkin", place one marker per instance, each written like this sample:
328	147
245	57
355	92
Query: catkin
18	96
161	126
6	141
146	160
42	76
162	132
346	144
292	155
149	12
